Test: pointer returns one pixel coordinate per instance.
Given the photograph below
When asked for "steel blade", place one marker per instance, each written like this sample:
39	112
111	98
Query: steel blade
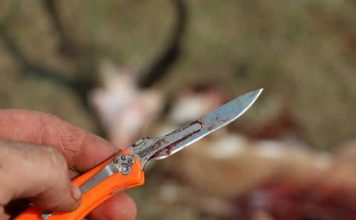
213	121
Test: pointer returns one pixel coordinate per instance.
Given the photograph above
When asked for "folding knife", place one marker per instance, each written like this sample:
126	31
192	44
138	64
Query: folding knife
124	170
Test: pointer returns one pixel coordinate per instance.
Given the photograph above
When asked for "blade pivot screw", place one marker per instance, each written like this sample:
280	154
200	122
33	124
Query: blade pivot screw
125	169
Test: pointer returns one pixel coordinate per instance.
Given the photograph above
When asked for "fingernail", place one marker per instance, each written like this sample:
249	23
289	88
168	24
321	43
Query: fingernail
76	192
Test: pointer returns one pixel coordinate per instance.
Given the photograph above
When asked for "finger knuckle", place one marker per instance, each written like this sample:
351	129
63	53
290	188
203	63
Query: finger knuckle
57	161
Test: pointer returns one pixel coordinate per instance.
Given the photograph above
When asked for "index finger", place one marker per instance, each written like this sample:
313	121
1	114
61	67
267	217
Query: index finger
81	149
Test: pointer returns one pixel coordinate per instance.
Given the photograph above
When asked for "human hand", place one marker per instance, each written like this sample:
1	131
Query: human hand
36	150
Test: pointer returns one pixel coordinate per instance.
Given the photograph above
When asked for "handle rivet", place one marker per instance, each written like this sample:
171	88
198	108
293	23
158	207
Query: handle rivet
116	160
130	160
123	157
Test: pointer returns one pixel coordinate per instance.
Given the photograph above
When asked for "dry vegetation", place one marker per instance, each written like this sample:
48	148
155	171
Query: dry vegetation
302	52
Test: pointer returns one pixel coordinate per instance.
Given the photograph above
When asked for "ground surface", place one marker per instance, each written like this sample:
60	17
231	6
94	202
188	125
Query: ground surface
302	52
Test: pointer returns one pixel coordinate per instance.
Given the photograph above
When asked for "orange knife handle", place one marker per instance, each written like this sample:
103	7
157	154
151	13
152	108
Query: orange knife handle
97	194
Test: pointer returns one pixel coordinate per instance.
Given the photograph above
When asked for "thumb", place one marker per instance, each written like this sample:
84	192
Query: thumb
38	173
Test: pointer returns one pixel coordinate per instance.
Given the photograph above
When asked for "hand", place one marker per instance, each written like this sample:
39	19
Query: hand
36	150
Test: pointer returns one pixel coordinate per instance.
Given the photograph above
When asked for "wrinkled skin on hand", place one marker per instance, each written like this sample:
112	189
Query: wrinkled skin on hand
40	153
